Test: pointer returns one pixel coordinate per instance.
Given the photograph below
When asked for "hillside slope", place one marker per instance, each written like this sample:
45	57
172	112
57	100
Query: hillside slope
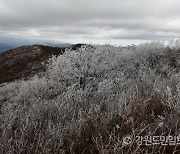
88	100
26	61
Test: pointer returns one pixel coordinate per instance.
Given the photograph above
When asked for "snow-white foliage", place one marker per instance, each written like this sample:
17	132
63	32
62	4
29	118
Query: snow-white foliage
78	84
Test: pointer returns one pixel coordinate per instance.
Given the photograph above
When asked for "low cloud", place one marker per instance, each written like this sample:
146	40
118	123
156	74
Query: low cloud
91	20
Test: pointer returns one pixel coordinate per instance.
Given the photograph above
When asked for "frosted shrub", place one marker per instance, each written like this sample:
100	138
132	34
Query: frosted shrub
175	43
8	91
105	87
152	47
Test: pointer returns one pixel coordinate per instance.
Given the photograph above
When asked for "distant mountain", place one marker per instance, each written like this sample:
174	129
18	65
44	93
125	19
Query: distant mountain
7	43
4	46
61	45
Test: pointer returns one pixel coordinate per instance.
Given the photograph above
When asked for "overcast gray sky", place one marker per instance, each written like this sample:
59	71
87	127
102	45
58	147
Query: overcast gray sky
92	21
